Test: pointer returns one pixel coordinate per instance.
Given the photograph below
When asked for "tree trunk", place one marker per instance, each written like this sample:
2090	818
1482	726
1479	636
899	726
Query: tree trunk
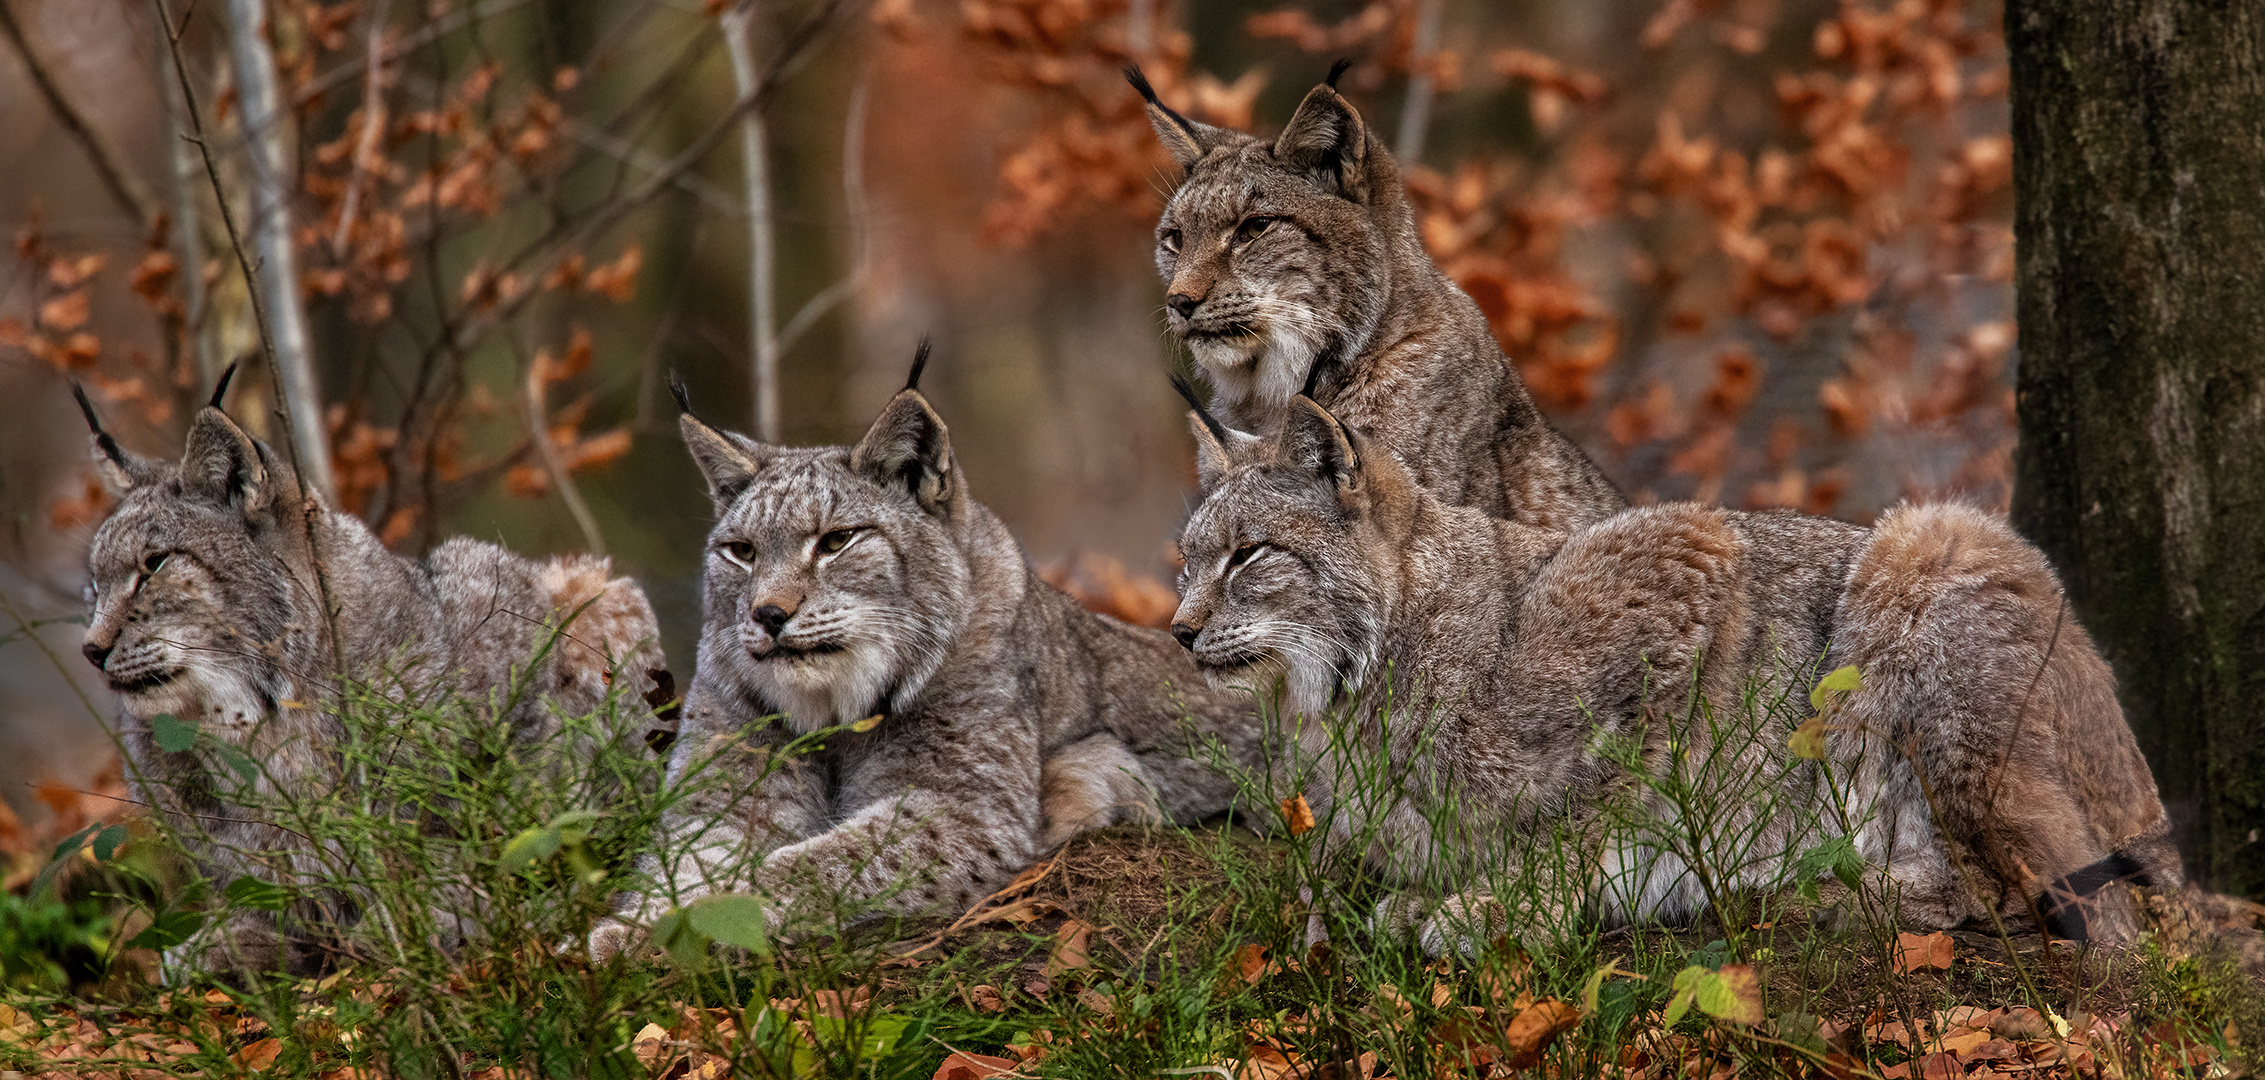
2139	174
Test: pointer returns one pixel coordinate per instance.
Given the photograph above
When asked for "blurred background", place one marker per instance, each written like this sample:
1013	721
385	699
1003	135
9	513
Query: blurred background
1756	252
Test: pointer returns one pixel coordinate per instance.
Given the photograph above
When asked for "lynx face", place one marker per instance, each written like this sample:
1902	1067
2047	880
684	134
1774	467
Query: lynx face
190	595
1270	253
832	585
1274	582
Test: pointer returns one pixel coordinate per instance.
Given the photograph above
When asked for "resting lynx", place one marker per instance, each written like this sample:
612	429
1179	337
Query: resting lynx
851	582
1296	263
1318	559
206	605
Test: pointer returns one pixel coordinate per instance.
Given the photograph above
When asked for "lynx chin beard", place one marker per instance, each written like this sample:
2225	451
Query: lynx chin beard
840	679
225	703
1294	682
1265	365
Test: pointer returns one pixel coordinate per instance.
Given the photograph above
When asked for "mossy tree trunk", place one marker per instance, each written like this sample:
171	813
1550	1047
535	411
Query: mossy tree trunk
2139	170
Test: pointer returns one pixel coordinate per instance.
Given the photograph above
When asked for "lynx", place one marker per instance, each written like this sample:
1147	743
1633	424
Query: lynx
1297	263
210	584
987	715
1985	743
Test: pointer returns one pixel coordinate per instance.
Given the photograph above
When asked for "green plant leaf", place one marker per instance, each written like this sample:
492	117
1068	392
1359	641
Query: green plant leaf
1686	985
1734	994
169	929
574	826
251	892
684	942
106	842
1808	740
733	919
171	733
237	761
531	846
1840	681
1835	855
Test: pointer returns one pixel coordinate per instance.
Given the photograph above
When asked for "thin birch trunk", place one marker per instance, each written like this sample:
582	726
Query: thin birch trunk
186	175
1415	112
737	24
278	267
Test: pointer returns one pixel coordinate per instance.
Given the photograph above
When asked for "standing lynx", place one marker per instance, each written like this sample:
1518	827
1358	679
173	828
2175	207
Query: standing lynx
987	715
1297	263
210	583
1985	752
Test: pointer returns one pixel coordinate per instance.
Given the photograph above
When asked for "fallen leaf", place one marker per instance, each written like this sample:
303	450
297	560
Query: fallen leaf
650	1045
1072	947
1922	952
987	998
260	1055
1250	964
1297	814
1534	1029
962	1065
2019	1023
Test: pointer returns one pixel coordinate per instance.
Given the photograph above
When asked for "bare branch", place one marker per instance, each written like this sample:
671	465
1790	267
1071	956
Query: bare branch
129	193
188	230
531	402
853	201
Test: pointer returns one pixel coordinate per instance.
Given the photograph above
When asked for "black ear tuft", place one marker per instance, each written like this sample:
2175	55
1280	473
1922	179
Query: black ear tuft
102	439
1210	423
683	397
919	364
220	389
1140	83
1337	71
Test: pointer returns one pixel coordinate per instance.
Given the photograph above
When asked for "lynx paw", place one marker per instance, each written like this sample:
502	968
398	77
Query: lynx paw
1464	926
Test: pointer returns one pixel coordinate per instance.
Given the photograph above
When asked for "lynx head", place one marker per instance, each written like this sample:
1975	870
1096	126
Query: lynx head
834	585
192	582
1286	561
1276	253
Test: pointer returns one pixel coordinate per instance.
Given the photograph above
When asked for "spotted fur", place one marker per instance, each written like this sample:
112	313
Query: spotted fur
1316	562
1296	263
209	587
854	583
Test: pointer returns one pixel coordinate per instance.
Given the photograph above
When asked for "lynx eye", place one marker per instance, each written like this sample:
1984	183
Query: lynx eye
740	551
1170	240
1242	555
1252	228
832	542
154	561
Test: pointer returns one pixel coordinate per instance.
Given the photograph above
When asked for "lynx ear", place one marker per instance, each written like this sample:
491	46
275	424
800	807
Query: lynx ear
223	464
121	470
1187	140
1218	448
1326	139
909	447
1316	441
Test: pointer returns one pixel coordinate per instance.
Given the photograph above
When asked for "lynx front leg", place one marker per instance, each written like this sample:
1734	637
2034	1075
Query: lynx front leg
918	853
1093	784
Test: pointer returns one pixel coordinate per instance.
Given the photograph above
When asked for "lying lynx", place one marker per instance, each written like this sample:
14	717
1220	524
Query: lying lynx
1513	650
1296	263
206	605
989	716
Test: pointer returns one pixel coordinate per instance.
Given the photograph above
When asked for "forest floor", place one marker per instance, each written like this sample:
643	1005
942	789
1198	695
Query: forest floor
1165	953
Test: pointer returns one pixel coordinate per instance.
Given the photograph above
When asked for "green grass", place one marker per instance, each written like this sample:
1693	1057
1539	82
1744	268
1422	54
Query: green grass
1132	953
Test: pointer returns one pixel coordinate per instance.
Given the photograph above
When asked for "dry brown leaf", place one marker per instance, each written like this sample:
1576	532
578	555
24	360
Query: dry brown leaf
651	1045
1250	965
962	1065
986	998
1922	952
260	1055
1533	1030
65	312
1297	814
1072	948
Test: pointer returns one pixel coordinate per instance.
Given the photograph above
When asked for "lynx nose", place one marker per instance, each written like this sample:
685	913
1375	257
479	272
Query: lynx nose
1186	634
97	653
772	618
1184	304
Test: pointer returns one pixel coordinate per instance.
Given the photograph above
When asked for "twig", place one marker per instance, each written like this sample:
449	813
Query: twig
25	627
373	123
129	193
531	400
188	237
1415	112
853	200
692	184
763	341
